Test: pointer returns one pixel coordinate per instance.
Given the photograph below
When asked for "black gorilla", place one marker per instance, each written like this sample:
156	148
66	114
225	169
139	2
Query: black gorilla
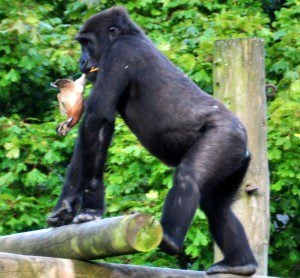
175	120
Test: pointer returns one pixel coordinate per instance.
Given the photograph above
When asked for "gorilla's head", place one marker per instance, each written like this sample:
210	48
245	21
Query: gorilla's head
98	34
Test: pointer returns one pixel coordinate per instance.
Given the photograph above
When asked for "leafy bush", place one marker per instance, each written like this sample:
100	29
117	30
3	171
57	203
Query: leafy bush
32	166
284	143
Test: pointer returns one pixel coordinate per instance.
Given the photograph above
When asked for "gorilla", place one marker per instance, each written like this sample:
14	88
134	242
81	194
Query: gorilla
175	121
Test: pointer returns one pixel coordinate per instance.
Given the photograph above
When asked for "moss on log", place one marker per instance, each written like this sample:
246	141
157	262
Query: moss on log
91	240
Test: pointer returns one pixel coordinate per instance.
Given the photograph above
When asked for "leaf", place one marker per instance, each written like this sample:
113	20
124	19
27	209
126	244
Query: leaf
13	150
51	157
34	177
152	194
19	26
13	75
6	179
187	61
279	34
295	87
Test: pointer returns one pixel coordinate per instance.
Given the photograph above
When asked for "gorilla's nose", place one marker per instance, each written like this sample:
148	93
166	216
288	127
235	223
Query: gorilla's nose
83	64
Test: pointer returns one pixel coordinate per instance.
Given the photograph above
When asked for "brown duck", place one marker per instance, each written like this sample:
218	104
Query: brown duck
70	99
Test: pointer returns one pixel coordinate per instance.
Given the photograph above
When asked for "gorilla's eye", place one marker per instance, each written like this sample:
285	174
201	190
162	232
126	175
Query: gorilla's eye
114	31
84	42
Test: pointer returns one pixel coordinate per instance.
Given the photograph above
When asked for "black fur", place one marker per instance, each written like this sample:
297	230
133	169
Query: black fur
175	120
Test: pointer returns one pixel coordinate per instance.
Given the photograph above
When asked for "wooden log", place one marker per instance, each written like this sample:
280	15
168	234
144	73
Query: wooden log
239	82
20	266
91	240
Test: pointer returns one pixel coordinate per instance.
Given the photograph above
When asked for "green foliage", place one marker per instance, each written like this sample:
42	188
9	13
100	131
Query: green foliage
284	142
32	166
32	56
37	48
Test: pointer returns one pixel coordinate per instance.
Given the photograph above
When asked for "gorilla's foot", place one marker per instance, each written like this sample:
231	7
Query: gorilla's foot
63	128
221	267
88	215
62	215
169	246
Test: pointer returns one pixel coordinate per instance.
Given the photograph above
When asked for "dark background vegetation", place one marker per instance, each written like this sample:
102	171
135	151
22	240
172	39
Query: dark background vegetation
37	47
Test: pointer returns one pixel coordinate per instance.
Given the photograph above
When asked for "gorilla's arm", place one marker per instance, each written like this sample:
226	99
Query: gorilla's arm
84	182
98	125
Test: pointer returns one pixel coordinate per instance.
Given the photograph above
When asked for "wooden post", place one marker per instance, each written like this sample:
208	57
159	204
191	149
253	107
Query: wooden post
239	83
91	240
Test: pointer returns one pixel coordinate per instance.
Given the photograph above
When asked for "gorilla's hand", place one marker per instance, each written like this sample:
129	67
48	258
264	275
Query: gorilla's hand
62	215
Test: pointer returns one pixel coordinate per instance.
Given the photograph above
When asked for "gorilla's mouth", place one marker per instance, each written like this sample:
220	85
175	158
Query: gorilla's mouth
91	73
93	69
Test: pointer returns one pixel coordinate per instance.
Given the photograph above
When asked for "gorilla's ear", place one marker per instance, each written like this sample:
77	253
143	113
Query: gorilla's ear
121	23
114	31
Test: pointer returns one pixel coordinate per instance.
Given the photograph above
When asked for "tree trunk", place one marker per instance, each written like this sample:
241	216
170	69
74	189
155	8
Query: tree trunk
20	266
239	82
90	240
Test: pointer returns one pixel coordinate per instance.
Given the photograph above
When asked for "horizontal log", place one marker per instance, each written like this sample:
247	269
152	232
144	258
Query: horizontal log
21	266
91	240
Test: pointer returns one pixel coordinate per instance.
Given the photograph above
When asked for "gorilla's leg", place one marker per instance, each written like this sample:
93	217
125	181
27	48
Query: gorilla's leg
70	197
84	187
96	137
92	206
211	172
225	228
179	208
231	238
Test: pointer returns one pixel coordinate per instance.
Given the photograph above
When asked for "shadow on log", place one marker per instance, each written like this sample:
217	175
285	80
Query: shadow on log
91	240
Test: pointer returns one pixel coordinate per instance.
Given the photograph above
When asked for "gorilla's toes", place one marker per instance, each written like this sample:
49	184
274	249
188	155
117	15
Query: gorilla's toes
169	246
87	215
245	270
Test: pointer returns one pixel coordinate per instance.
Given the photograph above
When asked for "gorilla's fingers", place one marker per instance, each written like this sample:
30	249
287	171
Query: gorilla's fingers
88	215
